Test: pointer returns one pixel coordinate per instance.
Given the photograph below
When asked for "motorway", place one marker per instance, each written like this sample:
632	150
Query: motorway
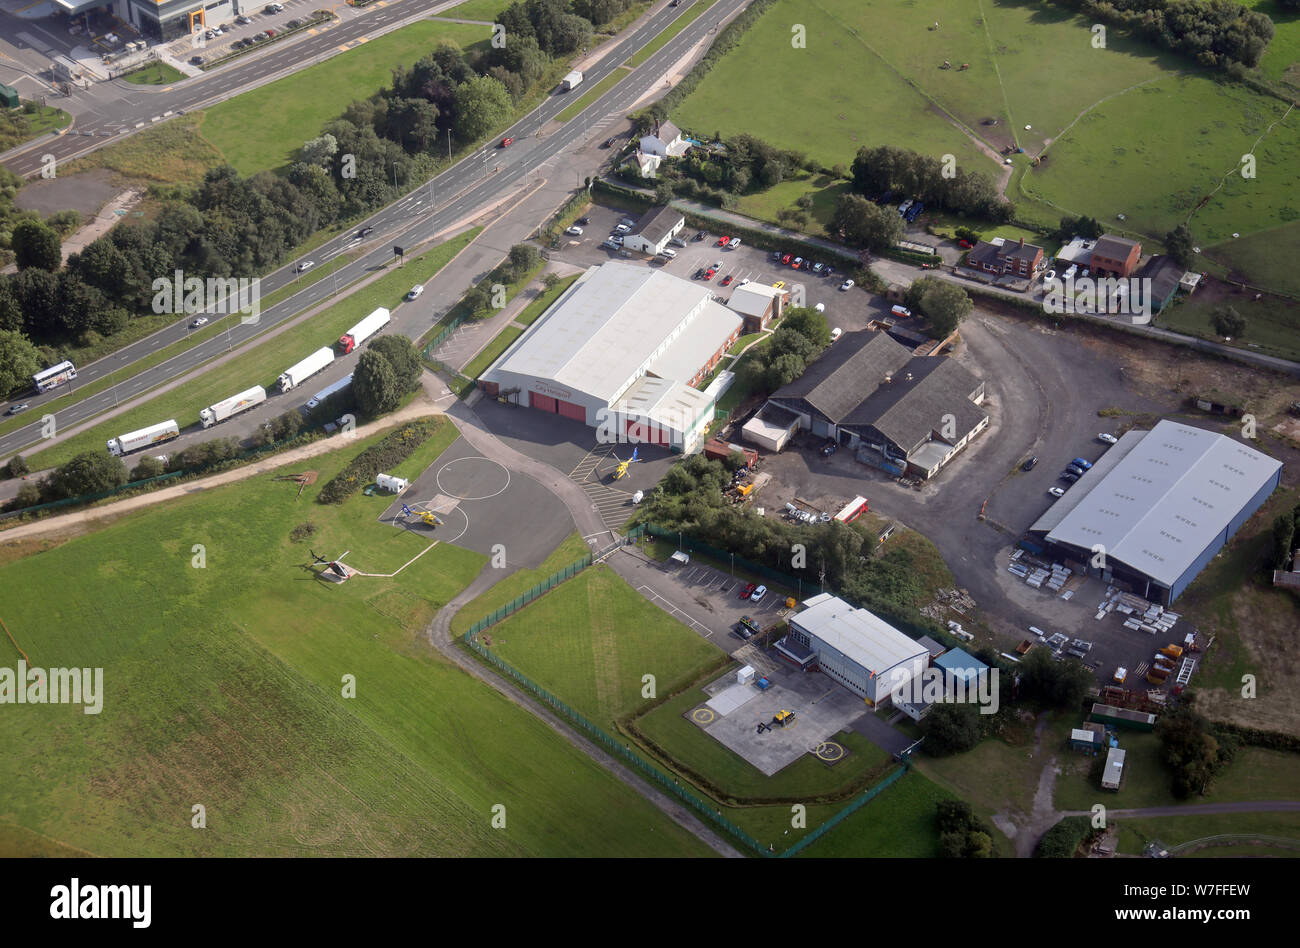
479	180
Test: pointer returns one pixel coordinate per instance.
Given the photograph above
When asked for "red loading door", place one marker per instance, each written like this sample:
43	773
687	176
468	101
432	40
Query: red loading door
542	402
570	410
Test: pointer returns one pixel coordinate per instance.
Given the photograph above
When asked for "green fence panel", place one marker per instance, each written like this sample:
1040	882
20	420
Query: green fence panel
845	813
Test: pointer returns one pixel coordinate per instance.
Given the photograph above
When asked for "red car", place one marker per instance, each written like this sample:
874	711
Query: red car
787	258
708	274
726	280
723	241
748	591
965	244
507	142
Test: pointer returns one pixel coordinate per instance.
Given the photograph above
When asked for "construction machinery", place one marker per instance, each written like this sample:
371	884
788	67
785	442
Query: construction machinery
783	718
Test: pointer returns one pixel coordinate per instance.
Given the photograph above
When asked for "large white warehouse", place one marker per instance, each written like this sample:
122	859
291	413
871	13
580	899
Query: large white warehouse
620	351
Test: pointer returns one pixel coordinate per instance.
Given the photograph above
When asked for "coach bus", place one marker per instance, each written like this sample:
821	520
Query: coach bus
54	376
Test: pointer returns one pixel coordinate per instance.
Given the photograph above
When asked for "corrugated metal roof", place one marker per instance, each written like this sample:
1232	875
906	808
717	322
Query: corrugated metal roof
753	299
961	663
858	634
1160	507
703	336
669	404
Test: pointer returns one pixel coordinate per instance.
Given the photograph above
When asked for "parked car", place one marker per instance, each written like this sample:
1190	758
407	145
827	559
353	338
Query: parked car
723	241
1073	269
198	322
726	280
775	255
733	243
846	285
904	207
699	274
270	33
272	8
709	273
758	594
742	630
1108	438
965	244
836	332
786	258
243	20
294	24
1083	463
622	229
798	262
817	268
1049	276
915	211
583	221
1030	463
700	235
1056	491
830	447
747	591
1075	469
615	239
414	292
574	231
15	409
1069	476
196	60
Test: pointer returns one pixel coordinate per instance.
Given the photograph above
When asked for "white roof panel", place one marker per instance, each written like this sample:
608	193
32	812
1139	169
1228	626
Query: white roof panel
860	635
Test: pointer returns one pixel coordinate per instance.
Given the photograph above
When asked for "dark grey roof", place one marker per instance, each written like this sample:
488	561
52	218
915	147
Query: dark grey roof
1164	274
906	411
984	252
1113	248
1018	251
845	373
656	224
667	132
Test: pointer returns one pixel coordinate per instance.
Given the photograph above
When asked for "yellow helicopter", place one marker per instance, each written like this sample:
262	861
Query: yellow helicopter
621	470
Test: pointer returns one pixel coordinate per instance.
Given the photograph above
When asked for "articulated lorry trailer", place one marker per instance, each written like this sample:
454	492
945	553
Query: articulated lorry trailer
233	405
135	440
297	374
364	330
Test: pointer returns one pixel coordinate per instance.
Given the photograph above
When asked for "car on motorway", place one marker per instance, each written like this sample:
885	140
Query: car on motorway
365	231
306	265
583	221
1030	463
414	292
836	332
198	321
726	280
723	241
15	409
747	590
574	231
846	285
758	594
1069	476
507	142
1056	491
779	284
1108	438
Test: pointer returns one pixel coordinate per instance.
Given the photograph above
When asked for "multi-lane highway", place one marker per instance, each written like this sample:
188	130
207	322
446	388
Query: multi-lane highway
478	181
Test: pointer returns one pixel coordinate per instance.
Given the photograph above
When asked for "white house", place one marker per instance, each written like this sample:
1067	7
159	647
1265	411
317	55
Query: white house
665	141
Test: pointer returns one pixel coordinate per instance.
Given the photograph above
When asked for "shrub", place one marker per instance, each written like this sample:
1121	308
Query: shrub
392	450
302	531
1062	841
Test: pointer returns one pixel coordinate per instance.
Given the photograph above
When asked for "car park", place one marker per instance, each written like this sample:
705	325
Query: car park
1108	438
1030	463
574	231
758	594
846	285
747	590
15	409
198	321
1056	491
726	280
414	292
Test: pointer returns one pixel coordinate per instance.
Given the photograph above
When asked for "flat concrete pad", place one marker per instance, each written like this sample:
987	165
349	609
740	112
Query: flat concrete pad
730	699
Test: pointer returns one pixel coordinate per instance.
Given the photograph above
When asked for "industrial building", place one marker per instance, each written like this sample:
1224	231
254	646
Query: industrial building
1159	505
164	20
902	412
854	647
620	351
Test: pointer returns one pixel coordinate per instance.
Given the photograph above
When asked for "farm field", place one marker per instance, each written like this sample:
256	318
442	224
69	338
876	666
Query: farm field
262	129
263	364
1135	832
1284	48
235	702
1272	325
1266	258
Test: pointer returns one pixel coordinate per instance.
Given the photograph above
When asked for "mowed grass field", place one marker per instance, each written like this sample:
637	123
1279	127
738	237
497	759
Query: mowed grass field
1267	258
222	688
899	823
262	365
264	128
591	641
572	549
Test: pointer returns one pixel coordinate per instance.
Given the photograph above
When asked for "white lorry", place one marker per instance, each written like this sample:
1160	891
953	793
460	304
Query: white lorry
135	440
296	374
571	81
364	330
232	406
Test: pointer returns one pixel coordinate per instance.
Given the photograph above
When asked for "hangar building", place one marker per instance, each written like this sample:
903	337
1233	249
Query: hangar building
620	351
1160	504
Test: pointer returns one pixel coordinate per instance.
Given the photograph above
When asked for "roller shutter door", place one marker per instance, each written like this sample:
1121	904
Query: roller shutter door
542	402
647	434
570	410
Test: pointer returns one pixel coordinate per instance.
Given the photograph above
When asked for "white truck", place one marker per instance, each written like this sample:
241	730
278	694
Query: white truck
296	374
364	330
571	81
232	406
135	440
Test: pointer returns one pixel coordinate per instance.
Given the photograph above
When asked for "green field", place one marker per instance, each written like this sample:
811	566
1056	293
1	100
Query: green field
517	583
260	366
485	10
898	824
1272	325
234	701
1134	833
1266	258
264	128
590	641
547	297
18	126
157	73
1284	48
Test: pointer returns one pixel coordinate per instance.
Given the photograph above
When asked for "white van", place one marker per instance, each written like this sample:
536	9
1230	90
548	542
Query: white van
902	312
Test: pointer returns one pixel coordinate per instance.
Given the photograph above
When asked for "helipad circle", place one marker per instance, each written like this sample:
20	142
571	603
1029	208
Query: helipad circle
473	481
702	715
829	750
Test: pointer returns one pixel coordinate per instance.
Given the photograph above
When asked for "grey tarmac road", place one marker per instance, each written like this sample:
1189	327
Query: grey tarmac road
541	150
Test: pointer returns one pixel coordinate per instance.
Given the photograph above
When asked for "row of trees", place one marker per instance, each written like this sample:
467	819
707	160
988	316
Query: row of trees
1217	32
800	338
1286	537
938	184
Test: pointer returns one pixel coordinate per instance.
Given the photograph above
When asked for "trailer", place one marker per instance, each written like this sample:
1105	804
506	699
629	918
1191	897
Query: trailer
364	330
329	390
571	81
135	440
298	373
214	414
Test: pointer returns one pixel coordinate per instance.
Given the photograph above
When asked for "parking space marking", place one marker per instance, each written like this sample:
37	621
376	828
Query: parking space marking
672	610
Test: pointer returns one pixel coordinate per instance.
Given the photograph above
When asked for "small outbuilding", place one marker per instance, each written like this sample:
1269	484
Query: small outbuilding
394	485
1113	775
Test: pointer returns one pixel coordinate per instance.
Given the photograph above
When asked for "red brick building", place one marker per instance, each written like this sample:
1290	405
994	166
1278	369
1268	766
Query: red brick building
1114	256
